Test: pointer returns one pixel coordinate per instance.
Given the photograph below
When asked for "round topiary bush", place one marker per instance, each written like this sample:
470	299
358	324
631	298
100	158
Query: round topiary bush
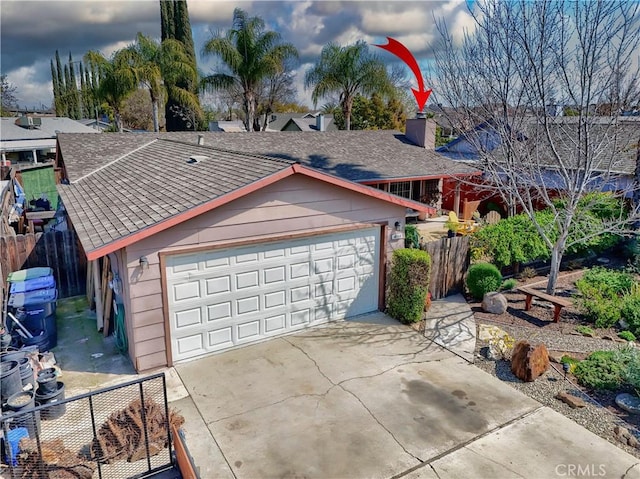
483	278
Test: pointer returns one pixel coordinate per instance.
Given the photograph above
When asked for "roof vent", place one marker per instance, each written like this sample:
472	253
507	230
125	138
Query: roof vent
196	159
200	140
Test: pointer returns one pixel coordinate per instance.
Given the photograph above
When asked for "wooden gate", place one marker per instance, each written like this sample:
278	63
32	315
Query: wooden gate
450	260
57	249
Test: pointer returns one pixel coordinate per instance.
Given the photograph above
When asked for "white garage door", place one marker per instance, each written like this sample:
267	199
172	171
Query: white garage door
223	298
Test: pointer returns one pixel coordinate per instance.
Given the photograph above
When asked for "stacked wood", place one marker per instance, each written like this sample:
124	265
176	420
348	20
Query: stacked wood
56	462
123	434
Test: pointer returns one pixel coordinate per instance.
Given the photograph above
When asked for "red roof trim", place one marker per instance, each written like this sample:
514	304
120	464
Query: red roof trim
413	178
240	192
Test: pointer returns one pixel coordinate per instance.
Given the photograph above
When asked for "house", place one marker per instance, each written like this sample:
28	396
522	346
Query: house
101	124
27	139
311	121
229	248
613	143
232	126
212	247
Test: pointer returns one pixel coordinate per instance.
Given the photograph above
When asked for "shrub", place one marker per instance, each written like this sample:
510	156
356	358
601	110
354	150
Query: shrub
411	236
483	278
601	370
409	284
630	311
528	273
627	335
509	284
602	293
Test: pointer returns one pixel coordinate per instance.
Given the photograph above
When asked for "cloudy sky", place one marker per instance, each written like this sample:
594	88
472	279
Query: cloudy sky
31	31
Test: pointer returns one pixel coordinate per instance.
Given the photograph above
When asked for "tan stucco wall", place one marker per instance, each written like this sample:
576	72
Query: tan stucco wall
297	204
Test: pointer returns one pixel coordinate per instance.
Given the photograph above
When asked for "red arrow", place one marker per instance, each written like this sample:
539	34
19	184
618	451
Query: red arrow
399	50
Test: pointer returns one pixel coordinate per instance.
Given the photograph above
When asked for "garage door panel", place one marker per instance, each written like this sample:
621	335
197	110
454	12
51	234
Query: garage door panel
225	298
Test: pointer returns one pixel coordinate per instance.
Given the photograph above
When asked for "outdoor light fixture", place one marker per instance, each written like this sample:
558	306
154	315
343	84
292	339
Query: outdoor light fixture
144	262
565	367
397	225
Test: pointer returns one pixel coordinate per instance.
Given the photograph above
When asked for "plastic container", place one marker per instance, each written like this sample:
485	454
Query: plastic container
26	373
47	383
35	323
13	439
10	382
54	411
28	273
33	284
40	339
40	299
20	402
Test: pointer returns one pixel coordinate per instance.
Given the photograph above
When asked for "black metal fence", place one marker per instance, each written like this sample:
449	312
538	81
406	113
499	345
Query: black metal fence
118	432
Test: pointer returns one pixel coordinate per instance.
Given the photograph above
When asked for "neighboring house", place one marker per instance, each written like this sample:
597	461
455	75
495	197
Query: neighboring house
614	149
312	121
233	126
99	124
212	249
33	139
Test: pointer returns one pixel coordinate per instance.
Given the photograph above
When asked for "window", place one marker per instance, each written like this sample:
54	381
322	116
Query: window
401	188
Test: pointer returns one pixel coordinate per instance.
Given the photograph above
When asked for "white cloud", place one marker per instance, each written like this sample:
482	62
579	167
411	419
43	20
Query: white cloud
31	92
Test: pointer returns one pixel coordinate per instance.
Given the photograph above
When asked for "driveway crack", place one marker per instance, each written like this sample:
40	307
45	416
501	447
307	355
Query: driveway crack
312	360
381	425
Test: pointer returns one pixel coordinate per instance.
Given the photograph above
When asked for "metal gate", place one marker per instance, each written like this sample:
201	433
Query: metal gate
119	432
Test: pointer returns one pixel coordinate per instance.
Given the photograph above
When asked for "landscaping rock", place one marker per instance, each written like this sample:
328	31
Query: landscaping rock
556	357
490	353
628	402
494	303
624	436
528	362
570	399
487	332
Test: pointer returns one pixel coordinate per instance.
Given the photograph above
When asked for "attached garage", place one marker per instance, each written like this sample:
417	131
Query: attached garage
224	298
230	248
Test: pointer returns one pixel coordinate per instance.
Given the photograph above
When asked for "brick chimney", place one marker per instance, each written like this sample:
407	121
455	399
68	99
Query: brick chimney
422	132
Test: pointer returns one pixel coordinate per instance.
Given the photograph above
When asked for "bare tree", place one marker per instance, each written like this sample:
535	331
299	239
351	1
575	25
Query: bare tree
8	93
522	66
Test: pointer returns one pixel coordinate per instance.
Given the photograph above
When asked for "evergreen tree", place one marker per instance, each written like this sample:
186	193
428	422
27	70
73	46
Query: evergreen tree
57	100
74	97
61	88
175	24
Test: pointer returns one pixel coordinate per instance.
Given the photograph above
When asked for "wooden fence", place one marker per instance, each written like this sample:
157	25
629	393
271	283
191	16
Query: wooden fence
450	260
56	249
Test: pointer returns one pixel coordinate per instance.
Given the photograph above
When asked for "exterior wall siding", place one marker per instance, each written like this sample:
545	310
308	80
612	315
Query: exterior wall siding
294	205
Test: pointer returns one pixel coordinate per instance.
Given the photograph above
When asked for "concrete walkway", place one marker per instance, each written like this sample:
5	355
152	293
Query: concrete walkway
373	398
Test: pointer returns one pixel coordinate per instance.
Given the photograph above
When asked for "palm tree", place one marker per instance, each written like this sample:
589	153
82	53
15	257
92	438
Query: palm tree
347	71
162	68
251	56
116	79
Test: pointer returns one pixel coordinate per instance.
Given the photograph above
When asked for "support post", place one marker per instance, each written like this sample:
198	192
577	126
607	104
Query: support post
97	287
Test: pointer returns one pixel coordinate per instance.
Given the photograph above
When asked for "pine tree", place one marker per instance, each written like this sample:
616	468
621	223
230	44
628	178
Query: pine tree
74	97
175	24
57	100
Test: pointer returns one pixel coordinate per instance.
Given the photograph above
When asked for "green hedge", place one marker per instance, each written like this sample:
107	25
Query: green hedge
483	278
409	284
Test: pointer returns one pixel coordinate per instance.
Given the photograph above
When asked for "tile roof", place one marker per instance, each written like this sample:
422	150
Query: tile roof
363	156
154	183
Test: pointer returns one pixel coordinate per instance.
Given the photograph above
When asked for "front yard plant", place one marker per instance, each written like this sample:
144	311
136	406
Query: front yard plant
627	335
483	278
610	369
409	284
603	294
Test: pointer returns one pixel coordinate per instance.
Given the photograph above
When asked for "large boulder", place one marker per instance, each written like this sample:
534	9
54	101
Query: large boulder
528	362
494	303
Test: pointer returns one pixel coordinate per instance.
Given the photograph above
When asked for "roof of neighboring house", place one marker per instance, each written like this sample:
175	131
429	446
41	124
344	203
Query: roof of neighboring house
154	187
49	128
363	156
309	124
613	145
231	126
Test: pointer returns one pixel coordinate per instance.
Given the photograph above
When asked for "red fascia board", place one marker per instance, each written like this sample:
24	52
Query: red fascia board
366	190
188	214
418	178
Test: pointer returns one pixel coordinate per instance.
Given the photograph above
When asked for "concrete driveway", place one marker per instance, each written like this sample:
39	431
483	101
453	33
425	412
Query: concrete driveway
373	398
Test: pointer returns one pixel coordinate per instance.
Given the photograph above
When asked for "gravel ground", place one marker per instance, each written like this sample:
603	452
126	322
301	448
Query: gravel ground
598	418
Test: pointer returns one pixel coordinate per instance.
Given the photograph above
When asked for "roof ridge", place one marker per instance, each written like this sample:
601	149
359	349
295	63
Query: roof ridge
235	152
114	161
